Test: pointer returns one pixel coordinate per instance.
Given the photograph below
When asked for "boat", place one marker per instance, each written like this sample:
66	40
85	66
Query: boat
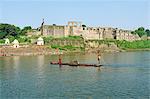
73	64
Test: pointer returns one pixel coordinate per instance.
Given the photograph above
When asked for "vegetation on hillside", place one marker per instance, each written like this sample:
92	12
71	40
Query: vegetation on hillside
139	44
133	45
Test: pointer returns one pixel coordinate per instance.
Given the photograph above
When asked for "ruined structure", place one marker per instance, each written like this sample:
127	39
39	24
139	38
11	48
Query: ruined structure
54	30
88	33
126	35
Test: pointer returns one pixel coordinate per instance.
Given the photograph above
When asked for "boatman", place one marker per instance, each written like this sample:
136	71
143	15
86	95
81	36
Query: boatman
98	58
60	60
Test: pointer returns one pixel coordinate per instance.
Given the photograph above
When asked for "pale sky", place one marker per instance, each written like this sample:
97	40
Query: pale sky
125	14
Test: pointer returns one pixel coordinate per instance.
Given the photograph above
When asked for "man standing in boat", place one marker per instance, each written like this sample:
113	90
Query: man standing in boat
60	60
98	57
59	57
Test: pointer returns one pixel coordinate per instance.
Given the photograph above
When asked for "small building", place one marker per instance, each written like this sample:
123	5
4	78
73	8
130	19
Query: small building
15	43
7	41
40	41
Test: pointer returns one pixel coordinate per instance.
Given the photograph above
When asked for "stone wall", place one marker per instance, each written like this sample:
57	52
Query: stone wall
88	33
53	30
126	35
108	33
48	30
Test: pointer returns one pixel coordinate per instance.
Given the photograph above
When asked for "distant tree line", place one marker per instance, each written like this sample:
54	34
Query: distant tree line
8	30
141	31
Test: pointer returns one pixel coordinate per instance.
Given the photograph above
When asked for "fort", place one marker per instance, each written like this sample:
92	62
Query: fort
74	28
73	37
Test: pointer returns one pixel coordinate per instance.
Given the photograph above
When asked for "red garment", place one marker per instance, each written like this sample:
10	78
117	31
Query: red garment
60	62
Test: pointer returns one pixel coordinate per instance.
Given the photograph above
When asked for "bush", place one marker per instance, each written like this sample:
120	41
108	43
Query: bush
47	39
2	41
11	38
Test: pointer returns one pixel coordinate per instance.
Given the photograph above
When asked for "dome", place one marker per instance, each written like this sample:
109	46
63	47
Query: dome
15	42
40	39
7	41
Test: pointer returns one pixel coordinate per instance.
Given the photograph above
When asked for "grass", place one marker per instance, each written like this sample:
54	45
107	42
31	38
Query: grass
133	45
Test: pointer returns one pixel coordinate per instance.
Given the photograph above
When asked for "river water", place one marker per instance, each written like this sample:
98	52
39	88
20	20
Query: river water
125	75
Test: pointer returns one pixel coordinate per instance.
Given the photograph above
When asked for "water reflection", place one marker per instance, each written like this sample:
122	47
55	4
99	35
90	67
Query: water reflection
40	60
16	66
16	63
40	71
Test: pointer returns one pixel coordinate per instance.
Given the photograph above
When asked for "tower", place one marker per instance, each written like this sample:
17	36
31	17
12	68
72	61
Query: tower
42	27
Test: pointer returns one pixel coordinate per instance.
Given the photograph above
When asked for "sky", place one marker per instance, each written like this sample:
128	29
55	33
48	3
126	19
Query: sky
125	14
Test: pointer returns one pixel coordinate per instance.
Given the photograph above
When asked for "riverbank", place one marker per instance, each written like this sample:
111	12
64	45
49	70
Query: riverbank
45	50
24	51
144	49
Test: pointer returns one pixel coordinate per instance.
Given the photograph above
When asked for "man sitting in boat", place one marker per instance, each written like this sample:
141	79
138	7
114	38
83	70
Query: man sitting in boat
75	62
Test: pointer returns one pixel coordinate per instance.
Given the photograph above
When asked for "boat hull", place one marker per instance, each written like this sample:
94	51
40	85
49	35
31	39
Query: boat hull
69	64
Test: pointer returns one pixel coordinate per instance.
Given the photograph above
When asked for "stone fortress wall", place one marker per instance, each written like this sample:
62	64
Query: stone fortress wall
74	28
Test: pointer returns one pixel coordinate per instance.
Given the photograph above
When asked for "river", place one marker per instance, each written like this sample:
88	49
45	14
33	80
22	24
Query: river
125	75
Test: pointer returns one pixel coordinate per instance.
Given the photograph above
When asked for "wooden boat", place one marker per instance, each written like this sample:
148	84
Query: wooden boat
72	64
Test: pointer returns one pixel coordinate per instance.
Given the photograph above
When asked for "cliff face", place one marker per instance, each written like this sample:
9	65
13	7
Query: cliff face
24	50
103	47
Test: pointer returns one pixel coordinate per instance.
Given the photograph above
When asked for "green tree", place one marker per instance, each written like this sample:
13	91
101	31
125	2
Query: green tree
8	29
2	34
147	32
25	30
133	32
140	31
83	25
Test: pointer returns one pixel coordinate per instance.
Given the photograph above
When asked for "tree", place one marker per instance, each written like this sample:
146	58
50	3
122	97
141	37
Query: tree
140	31
25	30
147	32
83	25
133	32
2	34
8	29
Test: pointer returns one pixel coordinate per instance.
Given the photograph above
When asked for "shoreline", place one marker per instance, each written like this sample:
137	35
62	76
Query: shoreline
31	52
144	49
